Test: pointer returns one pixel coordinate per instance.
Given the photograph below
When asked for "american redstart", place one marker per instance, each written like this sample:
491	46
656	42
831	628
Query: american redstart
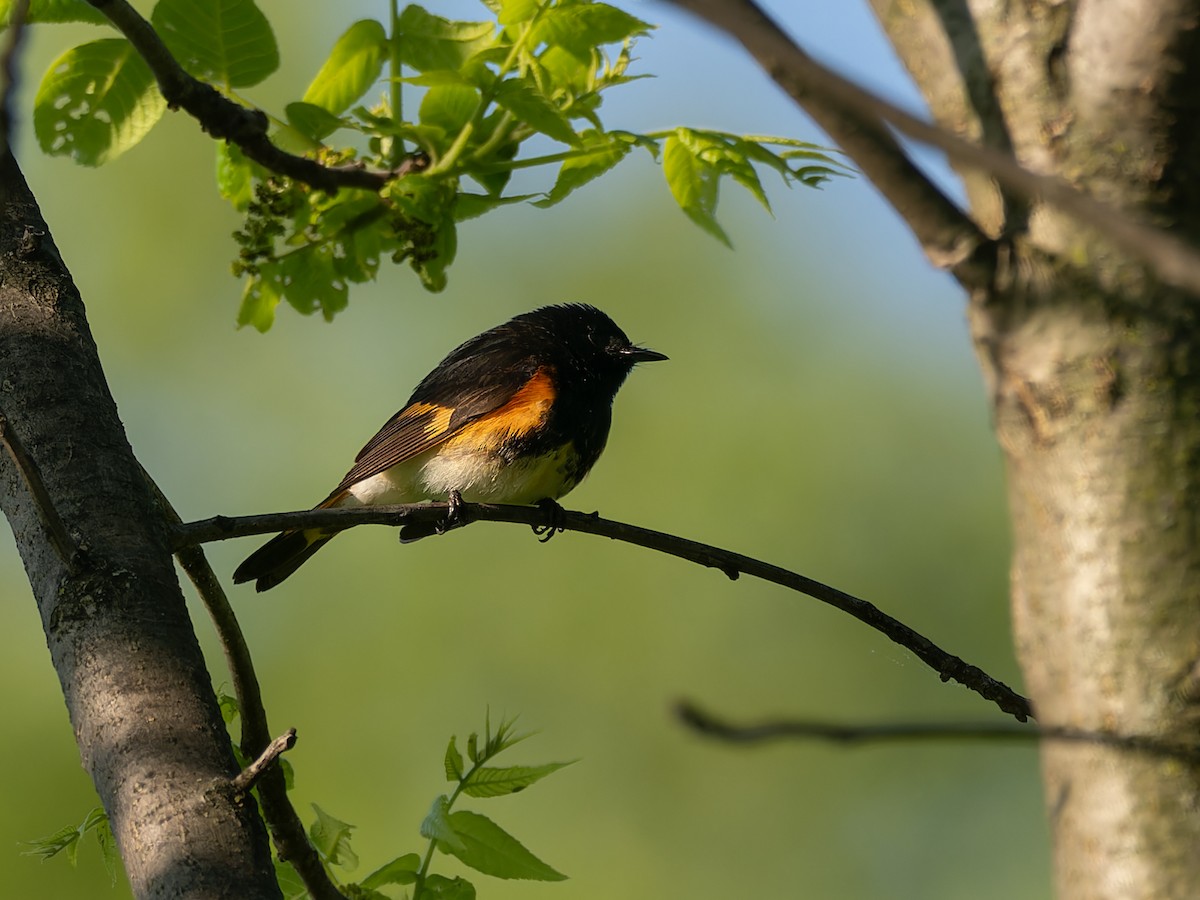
518	414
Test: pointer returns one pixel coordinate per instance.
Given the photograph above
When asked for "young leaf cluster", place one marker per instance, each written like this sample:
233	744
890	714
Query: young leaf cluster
67	840
526	74
474	839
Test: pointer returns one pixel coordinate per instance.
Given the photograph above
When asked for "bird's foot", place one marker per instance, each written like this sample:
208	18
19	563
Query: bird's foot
454	513
558	517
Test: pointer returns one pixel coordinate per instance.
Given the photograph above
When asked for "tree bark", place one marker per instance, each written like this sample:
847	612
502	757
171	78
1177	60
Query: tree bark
137	691
1094	371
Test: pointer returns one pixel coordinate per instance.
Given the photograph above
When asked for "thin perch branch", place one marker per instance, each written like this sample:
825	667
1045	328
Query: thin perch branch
947	666
819	90
810	729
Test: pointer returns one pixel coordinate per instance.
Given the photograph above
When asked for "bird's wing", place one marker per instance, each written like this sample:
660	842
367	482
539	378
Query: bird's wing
427	422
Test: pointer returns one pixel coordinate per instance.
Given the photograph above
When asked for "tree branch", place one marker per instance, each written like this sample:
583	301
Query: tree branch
224	119
803	729
844	110
287	829
947	666
63	543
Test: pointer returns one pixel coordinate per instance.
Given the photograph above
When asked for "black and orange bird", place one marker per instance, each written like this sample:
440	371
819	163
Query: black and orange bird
518	414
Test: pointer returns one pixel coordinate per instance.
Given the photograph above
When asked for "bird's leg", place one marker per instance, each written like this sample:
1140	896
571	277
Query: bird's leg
454	509
558	517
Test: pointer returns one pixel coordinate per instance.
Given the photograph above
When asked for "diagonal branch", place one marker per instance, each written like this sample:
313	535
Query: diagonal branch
56	529
287	829
845	111
947	666
224	119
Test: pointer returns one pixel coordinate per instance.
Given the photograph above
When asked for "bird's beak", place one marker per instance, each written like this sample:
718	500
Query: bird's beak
642	354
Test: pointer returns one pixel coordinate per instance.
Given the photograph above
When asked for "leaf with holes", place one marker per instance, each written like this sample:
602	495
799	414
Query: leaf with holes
226	42
96	101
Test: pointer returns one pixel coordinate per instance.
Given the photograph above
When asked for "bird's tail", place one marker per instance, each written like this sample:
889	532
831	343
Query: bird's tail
280	557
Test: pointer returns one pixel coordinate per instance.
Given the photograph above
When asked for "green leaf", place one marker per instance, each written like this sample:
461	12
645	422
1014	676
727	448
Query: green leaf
527	103
226	42
581	27
312	121
488	848
311	281
453	761
513	12
439	887
98	822
401	870
431	42
66	840
601	153
693	183
726	153
472	206
436	824
235	175
53	844
449	106
229	707
259	299
95	102
496	782
290	882
331	838
354	64
58	11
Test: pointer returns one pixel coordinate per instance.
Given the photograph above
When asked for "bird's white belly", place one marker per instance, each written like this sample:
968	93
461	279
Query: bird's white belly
478	477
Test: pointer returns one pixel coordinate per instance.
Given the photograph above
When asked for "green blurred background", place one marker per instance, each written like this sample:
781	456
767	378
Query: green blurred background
821	410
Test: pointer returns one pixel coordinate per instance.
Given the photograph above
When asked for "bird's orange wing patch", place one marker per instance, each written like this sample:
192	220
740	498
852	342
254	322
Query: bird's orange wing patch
482	418
526	411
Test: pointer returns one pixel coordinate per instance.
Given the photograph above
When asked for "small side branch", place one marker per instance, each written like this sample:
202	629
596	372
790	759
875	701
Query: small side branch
712	726
63	543
248	777
732	564
224	119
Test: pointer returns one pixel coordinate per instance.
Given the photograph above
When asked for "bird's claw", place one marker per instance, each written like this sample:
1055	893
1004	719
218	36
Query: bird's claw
557	523
454	516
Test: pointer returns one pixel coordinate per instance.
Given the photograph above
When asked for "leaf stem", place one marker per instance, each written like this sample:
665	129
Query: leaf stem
447	162
395	66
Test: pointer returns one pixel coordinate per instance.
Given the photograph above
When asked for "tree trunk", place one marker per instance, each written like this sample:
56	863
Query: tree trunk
136	688
1094	372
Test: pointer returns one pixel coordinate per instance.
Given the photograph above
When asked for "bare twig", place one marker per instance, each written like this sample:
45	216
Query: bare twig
805	729
287	830
947	666
246	779
222	118
64	544
818	89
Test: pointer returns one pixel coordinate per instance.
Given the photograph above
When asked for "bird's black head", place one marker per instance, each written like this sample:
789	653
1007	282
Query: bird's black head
586	341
